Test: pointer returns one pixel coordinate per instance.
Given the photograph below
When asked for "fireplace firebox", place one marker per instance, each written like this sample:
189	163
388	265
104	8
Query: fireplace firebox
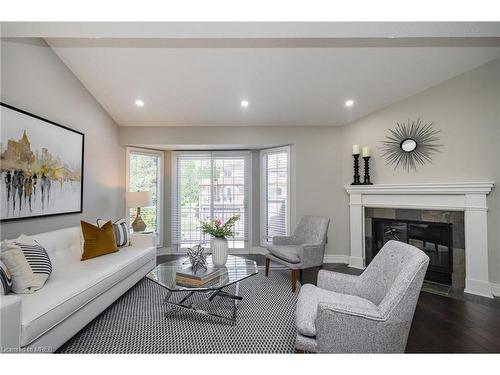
435	239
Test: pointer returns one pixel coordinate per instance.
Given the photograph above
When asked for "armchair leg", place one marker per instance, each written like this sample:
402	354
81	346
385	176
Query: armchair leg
294	280
267	266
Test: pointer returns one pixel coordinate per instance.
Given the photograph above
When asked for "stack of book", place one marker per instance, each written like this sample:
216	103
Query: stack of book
188	278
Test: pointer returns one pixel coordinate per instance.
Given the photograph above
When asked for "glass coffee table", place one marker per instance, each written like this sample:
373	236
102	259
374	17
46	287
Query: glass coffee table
235	270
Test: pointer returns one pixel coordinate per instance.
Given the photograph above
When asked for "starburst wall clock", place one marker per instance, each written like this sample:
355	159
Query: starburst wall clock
410	144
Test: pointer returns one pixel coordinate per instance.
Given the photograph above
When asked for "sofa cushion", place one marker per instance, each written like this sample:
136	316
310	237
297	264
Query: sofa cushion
98	241
63	245
289	253
73	286
311	296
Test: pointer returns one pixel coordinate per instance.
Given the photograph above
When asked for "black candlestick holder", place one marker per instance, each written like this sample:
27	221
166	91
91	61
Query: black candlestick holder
356	170
366	180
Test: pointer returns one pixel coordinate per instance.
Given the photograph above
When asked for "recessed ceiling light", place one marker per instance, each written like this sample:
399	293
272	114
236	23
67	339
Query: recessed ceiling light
349	103
139	103
244	103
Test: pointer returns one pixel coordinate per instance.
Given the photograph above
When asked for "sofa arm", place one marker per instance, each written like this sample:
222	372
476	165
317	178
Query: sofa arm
10	323
338	282
143	239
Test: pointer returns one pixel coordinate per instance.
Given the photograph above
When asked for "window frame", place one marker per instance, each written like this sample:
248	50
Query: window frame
248	160
263	178
160	187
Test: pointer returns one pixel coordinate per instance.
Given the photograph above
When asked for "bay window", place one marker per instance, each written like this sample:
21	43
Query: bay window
209	185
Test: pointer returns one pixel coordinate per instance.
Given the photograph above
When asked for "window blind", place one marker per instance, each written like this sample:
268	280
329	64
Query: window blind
209	185
275	192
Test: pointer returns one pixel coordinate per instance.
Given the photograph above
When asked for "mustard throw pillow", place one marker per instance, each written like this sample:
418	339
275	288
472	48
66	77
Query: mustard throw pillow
98	241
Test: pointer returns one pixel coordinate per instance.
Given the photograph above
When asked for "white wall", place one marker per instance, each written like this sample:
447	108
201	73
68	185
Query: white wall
466	110
36	80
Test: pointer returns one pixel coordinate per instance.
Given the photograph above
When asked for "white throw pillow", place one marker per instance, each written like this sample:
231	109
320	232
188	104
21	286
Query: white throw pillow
17	255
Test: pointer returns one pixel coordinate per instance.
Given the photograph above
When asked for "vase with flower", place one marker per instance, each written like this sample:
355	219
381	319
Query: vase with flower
219	232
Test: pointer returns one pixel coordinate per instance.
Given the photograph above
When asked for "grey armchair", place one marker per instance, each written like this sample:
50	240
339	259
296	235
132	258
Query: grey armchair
304	249
370	313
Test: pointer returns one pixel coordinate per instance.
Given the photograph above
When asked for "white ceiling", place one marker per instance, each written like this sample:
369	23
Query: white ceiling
204	30
197	74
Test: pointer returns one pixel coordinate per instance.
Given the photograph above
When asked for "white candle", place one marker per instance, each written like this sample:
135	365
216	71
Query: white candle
355	149
366	151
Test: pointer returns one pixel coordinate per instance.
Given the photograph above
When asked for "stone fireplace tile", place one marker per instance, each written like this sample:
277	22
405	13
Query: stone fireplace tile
436	216
458	236
404	214
457	217
384	213
369	212
458	275
368	227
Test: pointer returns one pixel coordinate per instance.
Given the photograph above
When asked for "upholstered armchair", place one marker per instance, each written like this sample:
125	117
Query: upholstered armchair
370	313
304	249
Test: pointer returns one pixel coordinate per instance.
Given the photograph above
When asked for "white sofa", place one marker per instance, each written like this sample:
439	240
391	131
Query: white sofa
75	293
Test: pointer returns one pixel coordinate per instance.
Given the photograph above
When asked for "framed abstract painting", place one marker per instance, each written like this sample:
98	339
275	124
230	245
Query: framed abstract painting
41	166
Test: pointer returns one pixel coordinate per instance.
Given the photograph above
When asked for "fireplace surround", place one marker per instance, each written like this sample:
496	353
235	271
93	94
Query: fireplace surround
470	198
440	234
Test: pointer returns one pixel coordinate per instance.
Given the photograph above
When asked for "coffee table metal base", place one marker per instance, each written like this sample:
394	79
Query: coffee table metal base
209	296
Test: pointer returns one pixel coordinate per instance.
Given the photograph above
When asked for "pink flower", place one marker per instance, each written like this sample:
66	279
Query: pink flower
218	221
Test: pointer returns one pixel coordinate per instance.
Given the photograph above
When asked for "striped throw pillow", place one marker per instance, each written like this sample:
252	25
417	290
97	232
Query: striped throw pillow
37	257
5	279
28	263
121	231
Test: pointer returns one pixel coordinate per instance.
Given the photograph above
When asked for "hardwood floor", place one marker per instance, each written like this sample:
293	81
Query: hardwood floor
458	324
447	325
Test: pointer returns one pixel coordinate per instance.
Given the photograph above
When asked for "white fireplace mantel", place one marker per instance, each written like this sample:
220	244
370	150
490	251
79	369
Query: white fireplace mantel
467	197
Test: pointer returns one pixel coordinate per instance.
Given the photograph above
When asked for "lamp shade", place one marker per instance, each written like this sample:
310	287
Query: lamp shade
139	199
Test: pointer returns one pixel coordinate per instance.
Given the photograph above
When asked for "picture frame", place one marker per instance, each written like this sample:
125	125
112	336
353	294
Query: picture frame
41	166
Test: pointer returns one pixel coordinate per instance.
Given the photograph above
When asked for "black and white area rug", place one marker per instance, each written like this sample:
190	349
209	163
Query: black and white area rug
138	323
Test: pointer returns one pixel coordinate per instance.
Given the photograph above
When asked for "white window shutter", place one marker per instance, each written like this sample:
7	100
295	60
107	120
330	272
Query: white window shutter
275	192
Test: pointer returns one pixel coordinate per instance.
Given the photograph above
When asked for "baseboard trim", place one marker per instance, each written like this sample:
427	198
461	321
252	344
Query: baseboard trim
336	258
356	262
254	250
478	287
328	258
495	289
163	251
259	250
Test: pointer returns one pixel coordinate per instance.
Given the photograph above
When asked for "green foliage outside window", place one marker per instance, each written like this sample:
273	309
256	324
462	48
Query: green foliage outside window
143	174
192	173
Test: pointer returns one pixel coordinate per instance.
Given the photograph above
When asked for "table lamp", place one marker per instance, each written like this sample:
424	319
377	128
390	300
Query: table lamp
138	199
